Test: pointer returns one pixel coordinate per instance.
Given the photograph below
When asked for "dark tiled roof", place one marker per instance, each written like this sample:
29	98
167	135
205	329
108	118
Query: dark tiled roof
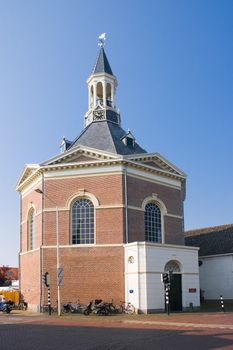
102	64
214	242
105	136
203	230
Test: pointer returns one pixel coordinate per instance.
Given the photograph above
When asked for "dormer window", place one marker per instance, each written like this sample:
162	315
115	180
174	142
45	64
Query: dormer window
64	145
129	142
128	139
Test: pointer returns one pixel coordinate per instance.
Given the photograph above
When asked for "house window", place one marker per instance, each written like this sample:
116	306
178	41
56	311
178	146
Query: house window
152	223
83	222
31	229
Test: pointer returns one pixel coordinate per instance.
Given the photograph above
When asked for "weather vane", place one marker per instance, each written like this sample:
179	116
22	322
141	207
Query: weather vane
102	38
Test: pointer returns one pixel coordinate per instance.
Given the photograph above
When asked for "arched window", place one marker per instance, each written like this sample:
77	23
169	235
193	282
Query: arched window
91	97
109	95
153	223
83	222
100	93
31	229
172	266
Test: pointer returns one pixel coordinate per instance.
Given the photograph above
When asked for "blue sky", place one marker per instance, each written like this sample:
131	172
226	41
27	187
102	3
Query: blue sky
174	64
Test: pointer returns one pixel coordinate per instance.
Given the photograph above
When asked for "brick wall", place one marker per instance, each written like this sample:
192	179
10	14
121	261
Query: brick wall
173	230
139	189
89	273
30	277
107	189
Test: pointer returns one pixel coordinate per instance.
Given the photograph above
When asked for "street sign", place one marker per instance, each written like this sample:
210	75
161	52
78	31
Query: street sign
60	276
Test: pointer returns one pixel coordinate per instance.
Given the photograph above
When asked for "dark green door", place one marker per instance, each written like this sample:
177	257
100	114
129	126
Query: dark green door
175	293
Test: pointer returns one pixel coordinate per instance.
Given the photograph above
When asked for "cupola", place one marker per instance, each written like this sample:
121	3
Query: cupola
102	86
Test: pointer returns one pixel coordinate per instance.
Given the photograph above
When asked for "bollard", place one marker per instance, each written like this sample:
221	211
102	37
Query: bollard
191	307
222	303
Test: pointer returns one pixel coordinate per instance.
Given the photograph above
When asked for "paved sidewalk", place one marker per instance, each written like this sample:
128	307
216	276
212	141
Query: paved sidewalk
214	320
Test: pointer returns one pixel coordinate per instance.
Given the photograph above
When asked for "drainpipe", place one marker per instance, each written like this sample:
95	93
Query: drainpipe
19	257
126	208
42	241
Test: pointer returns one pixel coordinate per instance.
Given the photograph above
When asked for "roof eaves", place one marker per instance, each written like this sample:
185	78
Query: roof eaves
24	171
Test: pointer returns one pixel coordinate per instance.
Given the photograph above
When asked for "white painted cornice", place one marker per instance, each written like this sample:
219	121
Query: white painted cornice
163	162
28	171
98	76
39	169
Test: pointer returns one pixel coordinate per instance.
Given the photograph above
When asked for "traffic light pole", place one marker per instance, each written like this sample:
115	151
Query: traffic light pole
166	280
58	266
58	255
49	302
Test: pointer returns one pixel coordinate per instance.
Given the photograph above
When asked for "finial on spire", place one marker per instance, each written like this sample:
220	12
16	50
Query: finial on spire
102	38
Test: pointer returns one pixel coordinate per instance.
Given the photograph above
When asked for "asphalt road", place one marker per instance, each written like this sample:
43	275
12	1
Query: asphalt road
60	337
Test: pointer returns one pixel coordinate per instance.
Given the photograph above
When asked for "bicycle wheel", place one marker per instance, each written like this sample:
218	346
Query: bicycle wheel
45	308
86	312
130	309
119	309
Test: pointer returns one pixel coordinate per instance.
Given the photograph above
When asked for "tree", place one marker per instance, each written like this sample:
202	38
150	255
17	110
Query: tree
4	278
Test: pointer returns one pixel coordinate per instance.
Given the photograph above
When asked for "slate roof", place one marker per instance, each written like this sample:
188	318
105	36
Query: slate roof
105	136
211	240
102	65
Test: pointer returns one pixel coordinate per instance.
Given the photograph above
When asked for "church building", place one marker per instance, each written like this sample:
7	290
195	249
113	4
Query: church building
104	217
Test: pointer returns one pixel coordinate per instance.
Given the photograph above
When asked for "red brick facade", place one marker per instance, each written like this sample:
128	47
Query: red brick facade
95	271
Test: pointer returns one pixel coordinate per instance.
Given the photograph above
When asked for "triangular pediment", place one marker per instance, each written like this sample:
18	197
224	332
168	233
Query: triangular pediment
153	164
155	160
27	172
80	155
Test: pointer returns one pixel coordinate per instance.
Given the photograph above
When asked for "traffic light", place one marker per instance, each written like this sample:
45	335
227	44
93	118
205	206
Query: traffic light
165	278
46	279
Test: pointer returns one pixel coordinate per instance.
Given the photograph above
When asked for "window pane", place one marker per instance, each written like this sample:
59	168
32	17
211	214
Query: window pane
31	229
152	223
83	222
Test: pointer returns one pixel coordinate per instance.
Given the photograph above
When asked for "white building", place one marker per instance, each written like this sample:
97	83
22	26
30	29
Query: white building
215	260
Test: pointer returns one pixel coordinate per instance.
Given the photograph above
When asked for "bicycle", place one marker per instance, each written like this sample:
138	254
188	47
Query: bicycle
22	306
45	309
114	309
72	307
127	307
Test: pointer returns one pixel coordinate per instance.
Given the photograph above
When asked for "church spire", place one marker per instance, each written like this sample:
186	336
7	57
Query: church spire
102	65
102	86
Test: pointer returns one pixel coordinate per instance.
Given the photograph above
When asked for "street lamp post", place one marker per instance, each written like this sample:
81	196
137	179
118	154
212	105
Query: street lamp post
58	252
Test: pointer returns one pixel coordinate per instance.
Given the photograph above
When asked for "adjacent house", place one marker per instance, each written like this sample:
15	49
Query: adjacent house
8	274
215	260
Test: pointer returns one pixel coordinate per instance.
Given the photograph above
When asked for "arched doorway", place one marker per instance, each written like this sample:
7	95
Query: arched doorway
175	294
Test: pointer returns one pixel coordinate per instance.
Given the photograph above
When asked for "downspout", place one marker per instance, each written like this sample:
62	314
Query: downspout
126	230
20	210
126	208
42	241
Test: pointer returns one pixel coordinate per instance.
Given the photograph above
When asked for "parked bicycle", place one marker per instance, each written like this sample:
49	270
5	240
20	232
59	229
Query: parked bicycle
97	307
45	308
114	309
127	307
22	306
72	307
